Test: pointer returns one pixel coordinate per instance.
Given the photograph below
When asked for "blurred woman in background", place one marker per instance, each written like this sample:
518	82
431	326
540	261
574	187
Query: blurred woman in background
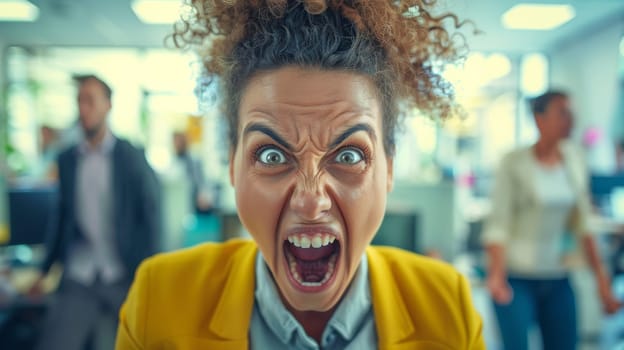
541	196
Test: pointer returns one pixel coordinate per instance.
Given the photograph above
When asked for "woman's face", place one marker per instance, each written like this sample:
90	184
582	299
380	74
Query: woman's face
557	121
311	178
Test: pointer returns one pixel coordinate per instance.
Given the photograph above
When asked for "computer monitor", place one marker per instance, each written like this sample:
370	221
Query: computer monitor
617	204
601	187
31	211
399	229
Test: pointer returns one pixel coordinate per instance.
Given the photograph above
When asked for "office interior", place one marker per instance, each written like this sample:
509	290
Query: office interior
443	169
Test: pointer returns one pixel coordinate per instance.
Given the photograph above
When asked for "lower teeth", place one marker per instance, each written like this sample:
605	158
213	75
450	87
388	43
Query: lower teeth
331	264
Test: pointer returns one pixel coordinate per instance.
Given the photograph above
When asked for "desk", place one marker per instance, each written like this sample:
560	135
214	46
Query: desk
20	323
21	316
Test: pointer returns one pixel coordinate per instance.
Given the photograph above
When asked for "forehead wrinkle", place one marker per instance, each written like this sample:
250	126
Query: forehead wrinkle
314	123
295	122
335	108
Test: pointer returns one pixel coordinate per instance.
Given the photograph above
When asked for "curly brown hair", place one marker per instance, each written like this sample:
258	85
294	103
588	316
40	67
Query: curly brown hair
398	43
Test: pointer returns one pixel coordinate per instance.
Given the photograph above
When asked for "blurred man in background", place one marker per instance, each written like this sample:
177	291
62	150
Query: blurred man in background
108	221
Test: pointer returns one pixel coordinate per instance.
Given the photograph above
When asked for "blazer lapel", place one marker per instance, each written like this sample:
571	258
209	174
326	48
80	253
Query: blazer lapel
70	172
527	187
235	305
117	168
574	168
393	323
68	167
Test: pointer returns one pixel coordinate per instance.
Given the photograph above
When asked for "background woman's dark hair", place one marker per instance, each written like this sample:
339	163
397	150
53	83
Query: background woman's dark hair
398	44
540	103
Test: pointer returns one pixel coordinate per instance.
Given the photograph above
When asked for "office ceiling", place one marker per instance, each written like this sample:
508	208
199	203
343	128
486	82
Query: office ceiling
112	23
591	15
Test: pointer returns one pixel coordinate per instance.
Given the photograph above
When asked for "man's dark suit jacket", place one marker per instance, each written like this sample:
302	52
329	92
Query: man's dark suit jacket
136	207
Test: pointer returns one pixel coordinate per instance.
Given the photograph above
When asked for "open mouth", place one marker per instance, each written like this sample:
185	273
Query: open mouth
312	259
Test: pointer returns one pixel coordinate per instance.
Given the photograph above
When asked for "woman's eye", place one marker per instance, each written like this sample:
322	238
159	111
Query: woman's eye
349	156
271	156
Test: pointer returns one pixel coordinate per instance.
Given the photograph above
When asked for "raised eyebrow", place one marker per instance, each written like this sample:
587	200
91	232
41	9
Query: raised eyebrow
355	128
269	132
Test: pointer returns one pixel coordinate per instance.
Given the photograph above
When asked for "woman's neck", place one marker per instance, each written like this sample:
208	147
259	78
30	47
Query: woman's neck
547	152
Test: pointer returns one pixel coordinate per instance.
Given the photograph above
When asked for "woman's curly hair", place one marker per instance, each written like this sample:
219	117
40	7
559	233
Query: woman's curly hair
399	44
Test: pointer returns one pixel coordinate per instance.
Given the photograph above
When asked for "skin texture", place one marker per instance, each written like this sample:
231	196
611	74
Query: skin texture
313	186
93	108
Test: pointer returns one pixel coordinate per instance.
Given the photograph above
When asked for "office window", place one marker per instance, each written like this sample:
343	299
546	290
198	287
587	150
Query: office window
153	91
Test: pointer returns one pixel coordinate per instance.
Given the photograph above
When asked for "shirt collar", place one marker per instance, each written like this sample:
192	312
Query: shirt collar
105	147
346	320
356	304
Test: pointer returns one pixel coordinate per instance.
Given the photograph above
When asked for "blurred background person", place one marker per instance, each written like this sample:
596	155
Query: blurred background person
619	153
201	195
108	220
539	198
50	148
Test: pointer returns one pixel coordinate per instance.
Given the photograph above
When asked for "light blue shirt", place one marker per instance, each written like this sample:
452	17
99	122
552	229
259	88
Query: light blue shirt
352	326
97	253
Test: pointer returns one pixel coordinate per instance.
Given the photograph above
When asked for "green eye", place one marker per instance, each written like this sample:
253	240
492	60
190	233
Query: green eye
271	156
349	156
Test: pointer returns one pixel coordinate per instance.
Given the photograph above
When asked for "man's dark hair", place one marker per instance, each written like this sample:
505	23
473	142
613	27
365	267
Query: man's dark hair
541	102
81	79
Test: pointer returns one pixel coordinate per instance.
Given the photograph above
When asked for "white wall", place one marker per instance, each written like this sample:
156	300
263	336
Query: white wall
588	68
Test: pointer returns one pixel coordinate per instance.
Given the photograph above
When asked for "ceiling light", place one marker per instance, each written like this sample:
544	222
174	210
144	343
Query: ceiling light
18	11
534	74
157	11
537	16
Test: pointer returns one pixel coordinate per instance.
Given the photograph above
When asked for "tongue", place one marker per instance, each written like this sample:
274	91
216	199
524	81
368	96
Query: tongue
312	263
311	254
312	271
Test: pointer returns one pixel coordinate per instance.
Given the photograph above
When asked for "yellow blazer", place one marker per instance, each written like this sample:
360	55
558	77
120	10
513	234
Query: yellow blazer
202	298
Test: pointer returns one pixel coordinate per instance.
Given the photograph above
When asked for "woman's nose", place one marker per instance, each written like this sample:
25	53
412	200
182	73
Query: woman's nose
310	200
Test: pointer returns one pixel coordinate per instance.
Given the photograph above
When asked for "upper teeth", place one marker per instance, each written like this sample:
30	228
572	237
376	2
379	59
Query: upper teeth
315	241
